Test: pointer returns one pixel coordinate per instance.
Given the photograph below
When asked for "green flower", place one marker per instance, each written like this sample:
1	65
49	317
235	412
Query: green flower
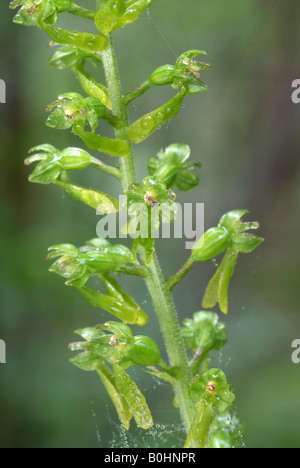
172	168
53	163
78	265
148	204
229	236
214	389
115	343
32	12
204	333
185	74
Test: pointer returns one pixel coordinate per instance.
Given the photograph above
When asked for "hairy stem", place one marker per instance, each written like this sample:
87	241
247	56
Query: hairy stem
120	111
165	309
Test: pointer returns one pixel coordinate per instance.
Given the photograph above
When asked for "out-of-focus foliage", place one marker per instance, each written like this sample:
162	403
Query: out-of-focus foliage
245	131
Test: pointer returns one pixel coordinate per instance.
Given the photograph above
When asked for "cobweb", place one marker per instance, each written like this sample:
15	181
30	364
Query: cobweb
162	434
159	436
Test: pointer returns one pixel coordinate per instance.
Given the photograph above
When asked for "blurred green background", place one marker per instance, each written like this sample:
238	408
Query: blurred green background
245	131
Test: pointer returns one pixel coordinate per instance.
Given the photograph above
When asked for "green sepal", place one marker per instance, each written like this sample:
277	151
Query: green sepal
95	248
93	198
195	86
185	58
149	123
176	153
232	221
60	250
45	173
167	173
246	243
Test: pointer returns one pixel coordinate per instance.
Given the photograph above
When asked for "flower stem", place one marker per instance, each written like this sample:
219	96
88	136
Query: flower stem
161	296
174	280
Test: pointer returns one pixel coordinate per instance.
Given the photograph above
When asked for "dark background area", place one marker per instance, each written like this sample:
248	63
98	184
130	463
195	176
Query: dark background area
245	131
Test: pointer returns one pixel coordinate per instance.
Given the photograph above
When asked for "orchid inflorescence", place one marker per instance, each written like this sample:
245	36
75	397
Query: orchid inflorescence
202	394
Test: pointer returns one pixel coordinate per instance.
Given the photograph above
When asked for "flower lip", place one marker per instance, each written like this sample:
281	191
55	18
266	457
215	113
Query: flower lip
211	388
